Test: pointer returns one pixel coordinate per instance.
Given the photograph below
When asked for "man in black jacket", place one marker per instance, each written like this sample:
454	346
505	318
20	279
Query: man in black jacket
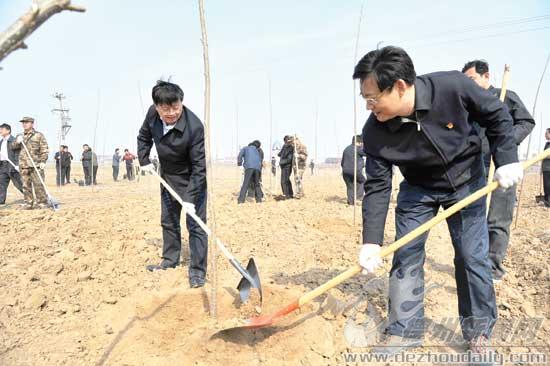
66	160
501	207
423	125
178	135
348	168
9	159
286	157
545	169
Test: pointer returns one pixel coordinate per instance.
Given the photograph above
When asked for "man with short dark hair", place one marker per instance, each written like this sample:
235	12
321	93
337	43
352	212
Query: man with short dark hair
349	169
129	160
178	135
545	168
9	159
89	165
116	164
286	160
501	207
66	161
423	125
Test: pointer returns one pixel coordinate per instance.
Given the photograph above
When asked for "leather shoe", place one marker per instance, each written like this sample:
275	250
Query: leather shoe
160	267
196	282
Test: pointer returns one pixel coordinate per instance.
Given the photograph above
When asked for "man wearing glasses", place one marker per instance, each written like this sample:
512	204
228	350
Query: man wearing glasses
178	135
423	125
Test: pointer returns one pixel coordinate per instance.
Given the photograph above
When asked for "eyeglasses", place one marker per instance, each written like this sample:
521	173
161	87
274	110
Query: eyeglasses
165	108
374	100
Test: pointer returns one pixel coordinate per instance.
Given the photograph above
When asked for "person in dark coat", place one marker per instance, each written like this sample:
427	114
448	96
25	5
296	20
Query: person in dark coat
252	187
178	135
66	161
425	125
9	160
57	159
501	207
286	157
89	165
348	164
545	168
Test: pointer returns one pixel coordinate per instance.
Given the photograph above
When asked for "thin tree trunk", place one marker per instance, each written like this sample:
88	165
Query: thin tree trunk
209	173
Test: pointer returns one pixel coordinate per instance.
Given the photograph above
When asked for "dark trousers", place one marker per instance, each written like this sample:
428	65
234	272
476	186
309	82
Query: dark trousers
286	186
171	230
546	185
90	175
130	172
7	174
251	177
360	192
58	176
115	172
87	175
252	186
62	174
468	230
66	174
501	212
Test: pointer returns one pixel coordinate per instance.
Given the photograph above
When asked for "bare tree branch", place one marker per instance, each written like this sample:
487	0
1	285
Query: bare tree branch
41	10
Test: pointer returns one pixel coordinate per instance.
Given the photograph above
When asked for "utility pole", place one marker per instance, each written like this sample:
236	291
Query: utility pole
64	117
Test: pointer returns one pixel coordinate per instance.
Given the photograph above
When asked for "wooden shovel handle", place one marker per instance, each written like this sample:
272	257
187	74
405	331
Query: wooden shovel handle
503	90
414	233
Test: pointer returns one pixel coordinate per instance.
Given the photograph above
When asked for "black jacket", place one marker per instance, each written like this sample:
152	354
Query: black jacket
63	158
523	122
13	154
286	155
180	151
439	147
89	159
347	162
546	162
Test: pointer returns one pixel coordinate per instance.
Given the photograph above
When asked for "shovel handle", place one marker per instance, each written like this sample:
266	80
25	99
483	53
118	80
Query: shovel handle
414	233
503	89
193	215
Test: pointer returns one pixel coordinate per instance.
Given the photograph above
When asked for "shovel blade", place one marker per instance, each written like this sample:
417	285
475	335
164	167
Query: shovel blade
54	204
250	280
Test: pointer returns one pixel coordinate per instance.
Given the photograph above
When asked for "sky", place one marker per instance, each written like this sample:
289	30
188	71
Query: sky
276	68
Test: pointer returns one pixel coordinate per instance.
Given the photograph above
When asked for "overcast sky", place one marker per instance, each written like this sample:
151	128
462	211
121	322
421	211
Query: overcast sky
102	60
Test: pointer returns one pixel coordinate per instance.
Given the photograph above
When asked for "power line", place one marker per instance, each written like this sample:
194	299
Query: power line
481	27
483	37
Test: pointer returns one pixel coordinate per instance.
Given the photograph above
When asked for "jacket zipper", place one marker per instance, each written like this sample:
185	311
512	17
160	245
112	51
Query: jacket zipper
438	152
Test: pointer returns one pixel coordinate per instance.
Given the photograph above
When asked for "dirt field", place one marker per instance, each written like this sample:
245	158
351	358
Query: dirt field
75	290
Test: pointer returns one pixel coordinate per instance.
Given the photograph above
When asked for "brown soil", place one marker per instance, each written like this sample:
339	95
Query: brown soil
75	291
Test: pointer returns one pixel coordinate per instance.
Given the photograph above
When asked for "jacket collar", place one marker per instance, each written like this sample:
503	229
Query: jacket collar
422	104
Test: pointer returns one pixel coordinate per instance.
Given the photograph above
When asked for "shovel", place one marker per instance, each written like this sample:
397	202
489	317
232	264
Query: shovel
52	202
251	278
267	320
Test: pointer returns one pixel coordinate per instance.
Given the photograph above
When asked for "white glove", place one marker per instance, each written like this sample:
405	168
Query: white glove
369	258
188	207
18	139
508	175
41	166
149	168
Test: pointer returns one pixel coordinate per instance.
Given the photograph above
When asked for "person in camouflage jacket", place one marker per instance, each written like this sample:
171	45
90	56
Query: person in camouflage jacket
299	165
36	151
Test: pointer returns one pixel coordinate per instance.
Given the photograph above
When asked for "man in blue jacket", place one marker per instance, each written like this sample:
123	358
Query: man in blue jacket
423	125
178	135
249	158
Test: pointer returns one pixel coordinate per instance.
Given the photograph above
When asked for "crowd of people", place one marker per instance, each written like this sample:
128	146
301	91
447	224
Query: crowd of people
441	130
